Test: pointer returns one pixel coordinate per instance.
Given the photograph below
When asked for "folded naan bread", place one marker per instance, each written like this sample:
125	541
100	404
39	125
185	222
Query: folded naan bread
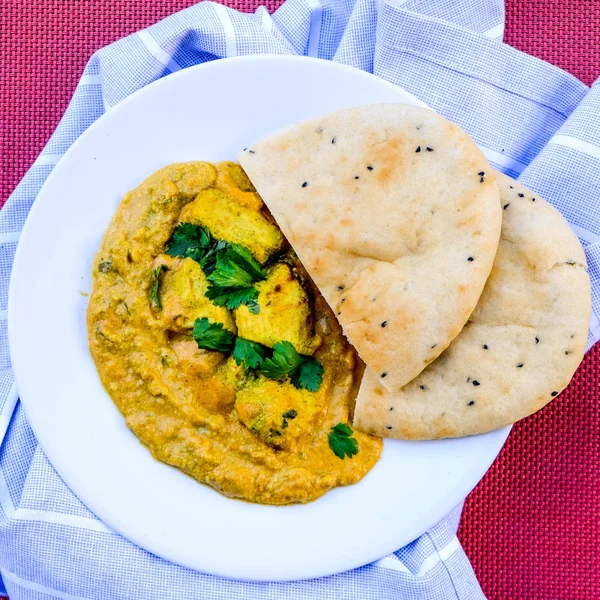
395	214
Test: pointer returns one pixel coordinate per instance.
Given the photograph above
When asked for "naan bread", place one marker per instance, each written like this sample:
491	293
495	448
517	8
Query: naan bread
395	214
521	345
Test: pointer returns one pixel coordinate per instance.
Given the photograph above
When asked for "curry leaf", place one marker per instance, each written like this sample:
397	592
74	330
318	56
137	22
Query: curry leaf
341	441
250	353
156	284
212	336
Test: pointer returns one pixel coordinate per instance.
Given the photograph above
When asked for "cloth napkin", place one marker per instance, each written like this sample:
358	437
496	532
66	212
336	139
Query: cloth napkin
533	121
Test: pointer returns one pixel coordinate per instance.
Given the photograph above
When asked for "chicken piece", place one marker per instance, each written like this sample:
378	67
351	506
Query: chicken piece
233	181
277	412
285	313
230	221
203	371
181	292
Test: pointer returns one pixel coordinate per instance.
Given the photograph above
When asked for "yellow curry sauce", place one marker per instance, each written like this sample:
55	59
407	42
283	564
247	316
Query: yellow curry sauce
197	409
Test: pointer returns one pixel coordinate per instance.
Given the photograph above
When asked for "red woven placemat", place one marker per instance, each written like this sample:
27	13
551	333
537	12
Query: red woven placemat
531	526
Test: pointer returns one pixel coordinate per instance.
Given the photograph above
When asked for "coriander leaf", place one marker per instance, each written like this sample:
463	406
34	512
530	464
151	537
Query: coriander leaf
232	297
155	285
250	353
212	336
244	259
309	376
232	272
305	372
189	240
284	360
228	273
341	441
208	261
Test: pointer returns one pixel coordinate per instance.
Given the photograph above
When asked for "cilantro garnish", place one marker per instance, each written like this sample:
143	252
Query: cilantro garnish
241	256
212	336
189	240
249	353
229	273
209	260
233	277
155	285
305	372
232	297
341	441
309	376
195	242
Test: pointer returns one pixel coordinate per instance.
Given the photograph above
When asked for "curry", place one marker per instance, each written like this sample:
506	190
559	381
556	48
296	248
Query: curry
246	386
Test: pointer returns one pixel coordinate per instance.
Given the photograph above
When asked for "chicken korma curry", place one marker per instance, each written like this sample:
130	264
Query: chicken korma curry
219	351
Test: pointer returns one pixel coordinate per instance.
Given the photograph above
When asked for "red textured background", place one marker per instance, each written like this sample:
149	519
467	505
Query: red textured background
531	527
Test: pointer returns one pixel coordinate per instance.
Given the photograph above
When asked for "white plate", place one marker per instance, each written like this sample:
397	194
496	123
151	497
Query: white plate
209	112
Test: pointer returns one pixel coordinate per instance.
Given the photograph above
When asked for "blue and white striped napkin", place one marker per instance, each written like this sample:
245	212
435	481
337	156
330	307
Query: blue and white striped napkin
533	121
